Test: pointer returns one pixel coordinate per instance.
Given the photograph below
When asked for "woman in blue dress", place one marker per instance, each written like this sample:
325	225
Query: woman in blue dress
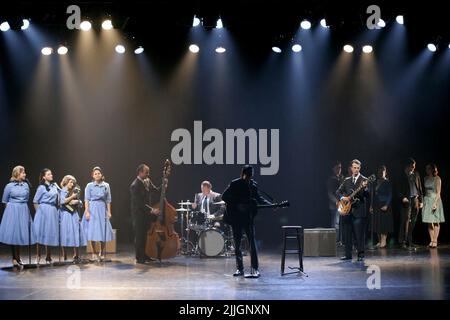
72	234
15	228
97	198
46	220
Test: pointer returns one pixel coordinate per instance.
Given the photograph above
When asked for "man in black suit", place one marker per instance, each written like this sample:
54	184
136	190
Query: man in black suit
333	183
411	196
354	223
208	201
143	194
242	197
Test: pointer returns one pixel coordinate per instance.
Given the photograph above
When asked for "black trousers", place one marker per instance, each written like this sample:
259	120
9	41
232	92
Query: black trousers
238	230
408	218
354	226
141	224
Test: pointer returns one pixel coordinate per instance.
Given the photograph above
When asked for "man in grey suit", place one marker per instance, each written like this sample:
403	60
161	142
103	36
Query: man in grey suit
207	202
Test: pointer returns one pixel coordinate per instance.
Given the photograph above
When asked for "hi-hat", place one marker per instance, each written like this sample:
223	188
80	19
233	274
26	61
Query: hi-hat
182	210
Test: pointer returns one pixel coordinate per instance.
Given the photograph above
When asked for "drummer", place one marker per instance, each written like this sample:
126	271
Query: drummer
210	203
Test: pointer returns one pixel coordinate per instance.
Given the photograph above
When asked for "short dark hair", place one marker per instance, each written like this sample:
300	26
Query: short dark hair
141	168
247	170
336	163
409	162
355	161
207	183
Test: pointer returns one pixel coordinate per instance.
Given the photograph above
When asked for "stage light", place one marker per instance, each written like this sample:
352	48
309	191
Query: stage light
25	24
4	26
120	49
196	21
305	24
381	23
432	47
296	48
348	48
219	24
139	50
276	49
194	48
62	50
367	49
107	25
399	19
85	26
47	51
220	50
323	23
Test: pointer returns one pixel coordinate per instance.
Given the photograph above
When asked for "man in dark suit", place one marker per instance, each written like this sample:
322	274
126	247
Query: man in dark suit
143	194
208	201
354	223
411	196
242	197
333	183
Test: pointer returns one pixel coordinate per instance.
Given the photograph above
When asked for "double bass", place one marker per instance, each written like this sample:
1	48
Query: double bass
162	240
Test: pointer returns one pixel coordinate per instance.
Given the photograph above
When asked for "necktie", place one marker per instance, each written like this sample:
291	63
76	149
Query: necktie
354	180
205	204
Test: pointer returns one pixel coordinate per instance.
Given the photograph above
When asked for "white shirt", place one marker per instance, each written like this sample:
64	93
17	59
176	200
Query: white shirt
354	179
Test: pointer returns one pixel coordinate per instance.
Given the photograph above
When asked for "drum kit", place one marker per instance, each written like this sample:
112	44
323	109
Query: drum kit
204	236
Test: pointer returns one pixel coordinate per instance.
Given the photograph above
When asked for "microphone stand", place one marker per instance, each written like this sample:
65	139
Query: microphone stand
30	220
59	263
371	247
104	243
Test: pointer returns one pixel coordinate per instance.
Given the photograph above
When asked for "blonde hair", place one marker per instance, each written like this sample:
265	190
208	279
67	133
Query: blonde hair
65	181
16	172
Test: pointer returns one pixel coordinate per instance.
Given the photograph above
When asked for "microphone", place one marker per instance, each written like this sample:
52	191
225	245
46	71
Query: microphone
56	185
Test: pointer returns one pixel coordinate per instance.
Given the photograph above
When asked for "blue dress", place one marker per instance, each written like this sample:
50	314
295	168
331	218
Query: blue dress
98	196
46	220
72	233
15	227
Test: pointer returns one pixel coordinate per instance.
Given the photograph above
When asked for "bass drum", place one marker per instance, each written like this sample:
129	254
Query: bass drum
211	242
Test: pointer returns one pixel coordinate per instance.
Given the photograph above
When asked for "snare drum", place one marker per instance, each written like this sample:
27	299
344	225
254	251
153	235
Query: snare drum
211	242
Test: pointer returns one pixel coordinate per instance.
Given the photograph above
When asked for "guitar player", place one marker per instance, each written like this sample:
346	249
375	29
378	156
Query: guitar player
354	223
241	197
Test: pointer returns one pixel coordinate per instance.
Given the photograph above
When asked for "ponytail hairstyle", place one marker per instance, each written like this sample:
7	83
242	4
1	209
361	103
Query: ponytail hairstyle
41	178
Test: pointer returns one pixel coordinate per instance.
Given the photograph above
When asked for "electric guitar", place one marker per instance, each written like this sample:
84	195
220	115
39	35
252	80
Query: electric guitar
344	206
283	204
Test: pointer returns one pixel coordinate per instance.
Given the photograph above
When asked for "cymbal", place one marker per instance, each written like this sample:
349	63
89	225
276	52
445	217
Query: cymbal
188	203
219	203
182	210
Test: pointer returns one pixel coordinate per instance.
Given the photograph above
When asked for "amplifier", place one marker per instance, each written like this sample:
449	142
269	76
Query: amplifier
319	242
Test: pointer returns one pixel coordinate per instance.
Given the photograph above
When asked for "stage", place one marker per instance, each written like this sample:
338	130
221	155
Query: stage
404	275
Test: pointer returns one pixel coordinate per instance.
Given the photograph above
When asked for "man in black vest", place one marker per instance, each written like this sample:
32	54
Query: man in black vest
142	191
411	197
242	197
354	223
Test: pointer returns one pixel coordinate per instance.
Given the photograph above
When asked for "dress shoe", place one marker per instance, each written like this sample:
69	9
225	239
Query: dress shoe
360	258
254	273
344	258
238	273
148	259
140	261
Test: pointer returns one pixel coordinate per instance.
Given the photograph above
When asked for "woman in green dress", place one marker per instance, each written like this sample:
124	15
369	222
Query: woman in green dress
432	212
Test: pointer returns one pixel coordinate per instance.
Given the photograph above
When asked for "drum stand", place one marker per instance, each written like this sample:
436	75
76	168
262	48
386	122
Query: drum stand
187	247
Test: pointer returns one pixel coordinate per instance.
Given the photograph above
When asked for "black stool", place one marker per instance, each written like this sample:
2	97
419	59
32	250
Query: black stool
292	233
